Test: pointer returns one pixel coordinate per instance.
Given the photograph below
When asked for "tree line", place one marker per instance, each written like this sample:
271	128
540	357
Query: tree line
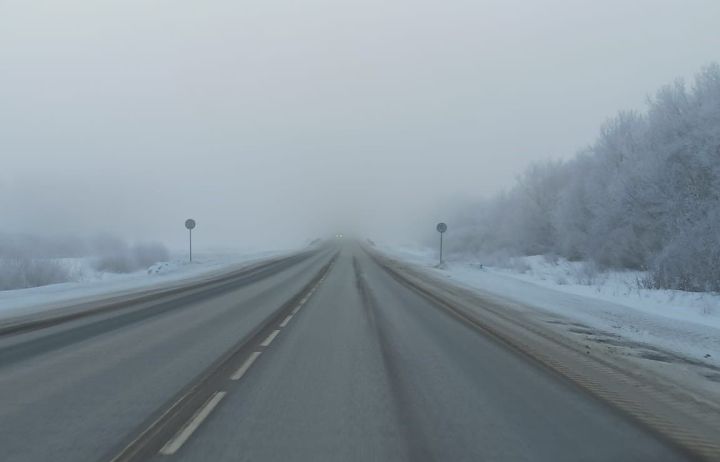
644	196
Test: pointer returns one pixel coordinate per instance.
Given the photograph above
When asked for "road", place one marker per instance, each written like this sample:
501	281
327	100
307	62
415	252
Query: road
325	357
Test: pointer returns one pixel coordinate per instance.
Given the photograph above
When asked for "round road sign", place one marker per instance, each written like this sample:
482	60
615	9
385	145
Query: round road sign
189	223
441	227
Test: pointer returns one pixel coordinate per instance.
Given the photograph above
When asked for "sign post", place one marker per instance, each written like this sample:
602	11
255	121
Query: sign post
441	228
190	224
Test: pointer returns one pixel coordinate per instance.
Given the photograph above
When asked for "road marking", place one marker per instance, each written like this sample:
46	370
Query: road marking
176	442
147	430
287	320
269	338
246	365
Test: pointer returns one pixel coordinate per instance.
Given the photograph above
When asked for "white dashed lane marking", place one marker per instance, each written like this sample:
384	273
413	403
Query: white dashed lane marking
286	321
246	365
269	338
176	442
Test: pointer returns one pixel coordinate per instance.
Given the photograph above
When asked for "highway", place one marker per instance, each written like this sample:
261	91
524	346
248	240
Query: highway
323	356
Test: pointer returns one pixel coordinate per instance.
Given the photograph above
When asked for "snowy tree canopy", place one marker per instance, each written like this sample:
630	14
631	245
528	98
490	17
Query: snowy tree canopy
645	195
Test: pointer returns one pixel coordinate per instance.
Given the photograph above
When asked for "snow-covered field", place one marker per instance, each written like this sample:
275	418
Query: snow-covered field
90	283
612	303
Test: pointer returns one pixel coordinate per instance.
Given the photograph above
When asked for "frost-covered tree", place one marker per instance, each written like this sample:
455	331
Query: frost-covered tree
644	195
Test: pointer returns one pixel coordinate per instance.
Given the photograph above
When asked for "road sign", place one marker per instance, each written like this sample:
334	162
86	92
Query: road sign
441	228
190	225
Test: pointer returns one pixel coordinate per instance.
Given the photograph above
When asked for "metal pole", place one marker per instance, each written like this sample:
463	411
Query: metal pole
441	242
191	246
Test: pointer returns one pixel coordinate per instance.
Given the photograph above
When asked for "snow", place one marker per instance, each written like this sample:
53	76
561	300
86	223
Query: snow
91	284
684	323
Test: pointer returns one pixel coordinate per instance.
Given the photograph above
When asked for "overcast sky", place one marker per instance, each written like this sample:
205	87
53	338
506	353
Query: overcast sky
273	121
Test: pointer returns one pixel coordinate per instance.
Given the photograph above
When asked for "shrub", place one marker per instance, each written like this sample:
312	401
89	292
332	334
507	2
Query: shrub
123	259
23	273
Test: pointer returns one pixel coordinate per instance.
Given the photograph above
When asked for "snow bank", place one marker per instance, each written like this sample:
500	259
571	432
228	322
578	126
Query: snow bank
90	283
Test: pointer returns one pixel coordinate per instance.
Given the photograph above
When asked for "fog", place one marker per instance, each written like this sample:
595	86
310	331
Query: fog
274	122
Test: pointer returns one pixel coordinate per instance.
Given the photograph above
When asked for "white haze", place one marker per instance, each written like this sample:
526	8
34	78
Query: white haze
273	122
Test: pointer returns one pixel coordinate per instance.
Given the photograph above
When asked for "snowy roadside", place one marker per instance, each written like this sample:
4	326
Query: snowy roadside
95	285
670	331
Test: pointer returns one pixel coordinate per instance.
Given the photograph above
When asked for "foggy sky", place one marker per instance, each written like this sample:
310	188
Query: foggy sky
273	121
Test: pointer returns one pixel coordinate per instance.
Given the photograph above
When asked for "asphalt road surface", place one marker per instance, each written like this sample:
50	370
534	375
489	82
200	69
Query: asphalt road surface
324	356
